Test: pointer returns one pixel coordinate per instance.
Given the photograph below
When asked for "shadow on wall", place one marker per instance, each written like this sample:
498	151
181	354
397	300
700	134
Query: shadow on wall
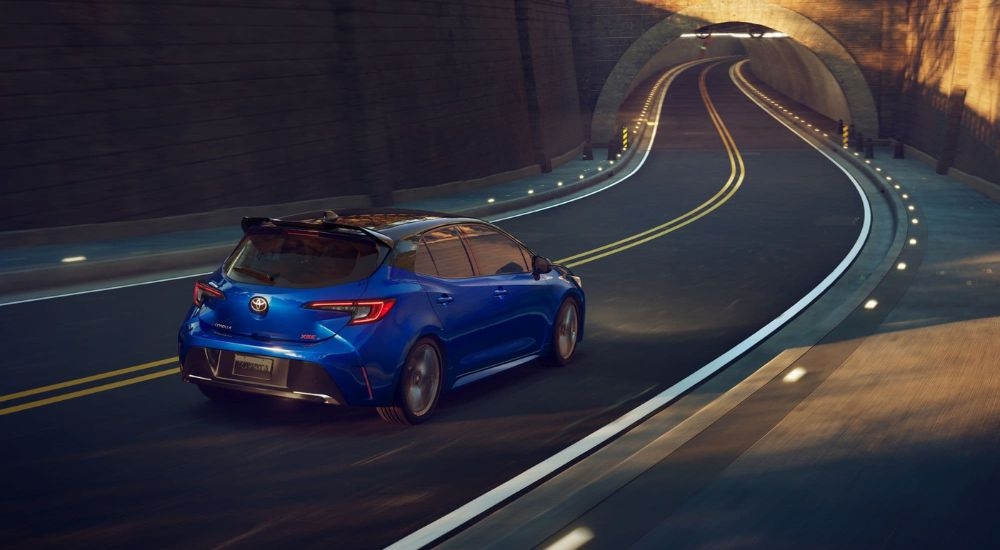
951	104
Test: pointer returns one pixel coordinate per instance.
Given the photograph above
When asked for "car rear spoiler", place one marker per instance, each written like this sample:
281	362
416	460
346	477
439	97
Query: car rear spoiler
249	223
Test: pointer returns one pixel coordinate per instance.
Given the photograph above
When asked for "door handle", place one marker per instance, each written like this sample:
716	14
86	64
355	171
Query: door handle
499	292
445	299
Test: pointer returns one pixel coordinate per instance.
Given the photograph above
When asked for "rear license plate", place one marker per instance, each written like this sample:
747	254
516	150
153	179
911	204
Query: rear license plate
248	366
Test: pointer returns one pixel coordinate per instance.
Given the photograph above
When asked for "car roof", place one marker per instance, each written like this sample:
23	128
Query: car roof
395	223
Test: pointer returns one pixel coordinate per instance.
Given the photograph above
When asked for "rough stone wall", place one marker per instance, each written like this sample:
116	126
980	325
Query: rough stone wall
952	84
118	110
978	139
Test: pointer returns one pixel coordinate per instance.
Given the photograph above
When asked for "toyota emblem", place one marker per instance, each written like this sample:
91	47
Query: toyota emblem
258	305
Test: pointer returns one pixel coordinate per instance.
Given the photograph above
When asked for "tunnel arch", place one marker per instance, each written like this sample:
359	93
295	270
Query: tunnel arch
804	31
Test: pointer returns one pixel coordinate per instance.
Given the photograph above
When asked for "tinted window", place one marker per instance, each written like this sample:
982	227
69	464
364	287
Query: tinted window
494	252
301	259
442	252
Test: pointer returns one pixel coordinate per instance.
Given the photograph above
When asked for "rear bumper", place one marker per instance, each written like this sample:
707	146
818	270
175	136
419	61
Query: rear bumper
292	378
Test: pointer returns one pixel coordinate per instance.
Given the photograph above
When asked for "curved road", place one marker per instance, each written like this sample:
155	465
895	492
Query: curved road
155	463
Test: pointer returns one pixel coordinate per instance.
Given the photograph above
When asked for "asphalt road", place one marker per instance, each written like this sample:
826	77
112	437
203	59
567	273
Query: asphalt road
157	465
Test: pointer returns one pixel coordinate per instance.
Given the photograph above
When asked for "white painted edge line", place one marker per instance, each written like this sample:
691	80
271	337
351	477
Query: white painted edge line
480	505
102	289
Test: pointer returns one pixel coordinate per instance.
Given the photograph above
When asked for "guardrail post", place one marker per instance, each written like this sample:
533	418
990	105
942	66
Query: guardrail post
897	149
869	149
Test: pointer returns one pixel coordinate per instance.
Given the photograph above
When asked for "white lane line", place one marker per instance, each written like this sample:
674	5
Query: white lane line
482	504
102	289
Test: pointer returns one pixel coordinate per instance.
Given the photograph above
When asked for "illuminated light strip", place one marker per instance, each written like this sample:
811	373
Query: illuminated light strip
770	34
79	381
507	490
737	174
88	391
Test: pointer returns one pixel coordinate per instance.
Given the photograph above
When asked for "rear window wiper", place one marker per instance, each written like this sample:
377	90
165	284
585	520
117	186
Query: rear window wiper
259	275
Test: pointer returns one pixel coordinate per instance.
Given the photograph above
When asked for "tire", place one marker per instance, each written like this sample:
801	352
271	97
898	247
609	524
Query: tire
222	395
419	385
565	332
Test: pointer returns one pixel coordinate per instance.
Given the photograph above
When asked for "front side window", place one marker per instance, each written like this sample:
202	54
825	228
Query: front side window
494	252
301	259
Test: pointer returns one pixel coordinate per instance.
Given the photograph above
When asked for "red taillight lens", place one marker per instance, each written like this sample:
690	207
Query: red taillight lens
362	311
203	291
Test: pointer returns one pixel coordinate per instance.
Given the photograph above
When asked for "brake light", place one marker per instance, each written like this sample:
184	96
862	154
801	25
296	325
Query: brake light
203	291
362	311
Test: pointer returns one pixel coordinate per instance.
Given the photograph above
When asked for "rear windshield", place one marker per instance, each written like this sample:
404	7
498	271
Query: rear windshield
301	259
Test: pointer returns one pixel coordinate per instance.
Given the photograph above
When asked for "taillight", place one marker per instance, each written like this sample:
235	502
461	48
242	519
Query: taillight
362	311
203	291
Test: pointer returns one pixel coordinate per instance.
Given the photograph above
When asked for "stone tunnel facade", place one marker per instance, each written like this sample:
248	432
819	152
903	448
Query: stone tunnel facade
117	110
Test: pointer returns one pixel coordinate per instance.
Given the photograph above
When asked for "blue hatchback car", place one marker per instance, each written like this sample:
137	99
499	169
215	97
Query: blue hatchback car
383	308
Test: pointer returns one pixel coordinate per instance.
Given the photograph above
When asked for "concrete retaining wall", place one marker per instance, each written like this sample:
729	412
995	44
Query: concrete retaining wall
119	110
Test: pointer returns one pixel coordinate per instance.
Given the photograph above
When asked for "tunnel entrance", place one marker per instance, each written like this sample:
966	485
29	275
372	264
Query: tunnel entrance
788	51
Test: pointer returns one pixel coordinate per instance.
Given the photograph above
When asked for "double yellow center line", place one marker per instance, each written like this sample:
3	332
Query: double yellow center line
83	381
737	174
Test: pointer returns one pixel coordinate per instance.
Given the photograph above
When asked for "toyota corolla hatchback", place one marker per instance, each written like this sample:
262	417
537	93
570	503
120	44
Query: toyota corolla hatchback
382	308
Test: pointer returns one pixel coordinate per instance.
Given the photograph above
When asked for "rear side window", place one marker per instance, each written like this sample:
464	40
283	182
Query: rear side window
301	259
442	254
494	252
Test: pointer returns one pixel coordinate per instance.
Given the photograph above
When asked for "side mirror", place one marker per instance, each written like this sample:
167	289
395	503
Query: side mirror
540	265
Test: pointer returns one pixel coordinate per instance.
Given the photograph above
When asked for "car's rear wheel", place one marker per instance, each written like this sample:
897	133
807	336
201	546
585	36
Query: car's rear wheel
565	332
419	385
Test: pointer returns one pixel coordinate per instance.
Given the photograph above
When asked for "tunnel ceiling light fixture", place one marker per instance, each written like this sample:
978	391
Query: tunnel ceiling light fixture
703	36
